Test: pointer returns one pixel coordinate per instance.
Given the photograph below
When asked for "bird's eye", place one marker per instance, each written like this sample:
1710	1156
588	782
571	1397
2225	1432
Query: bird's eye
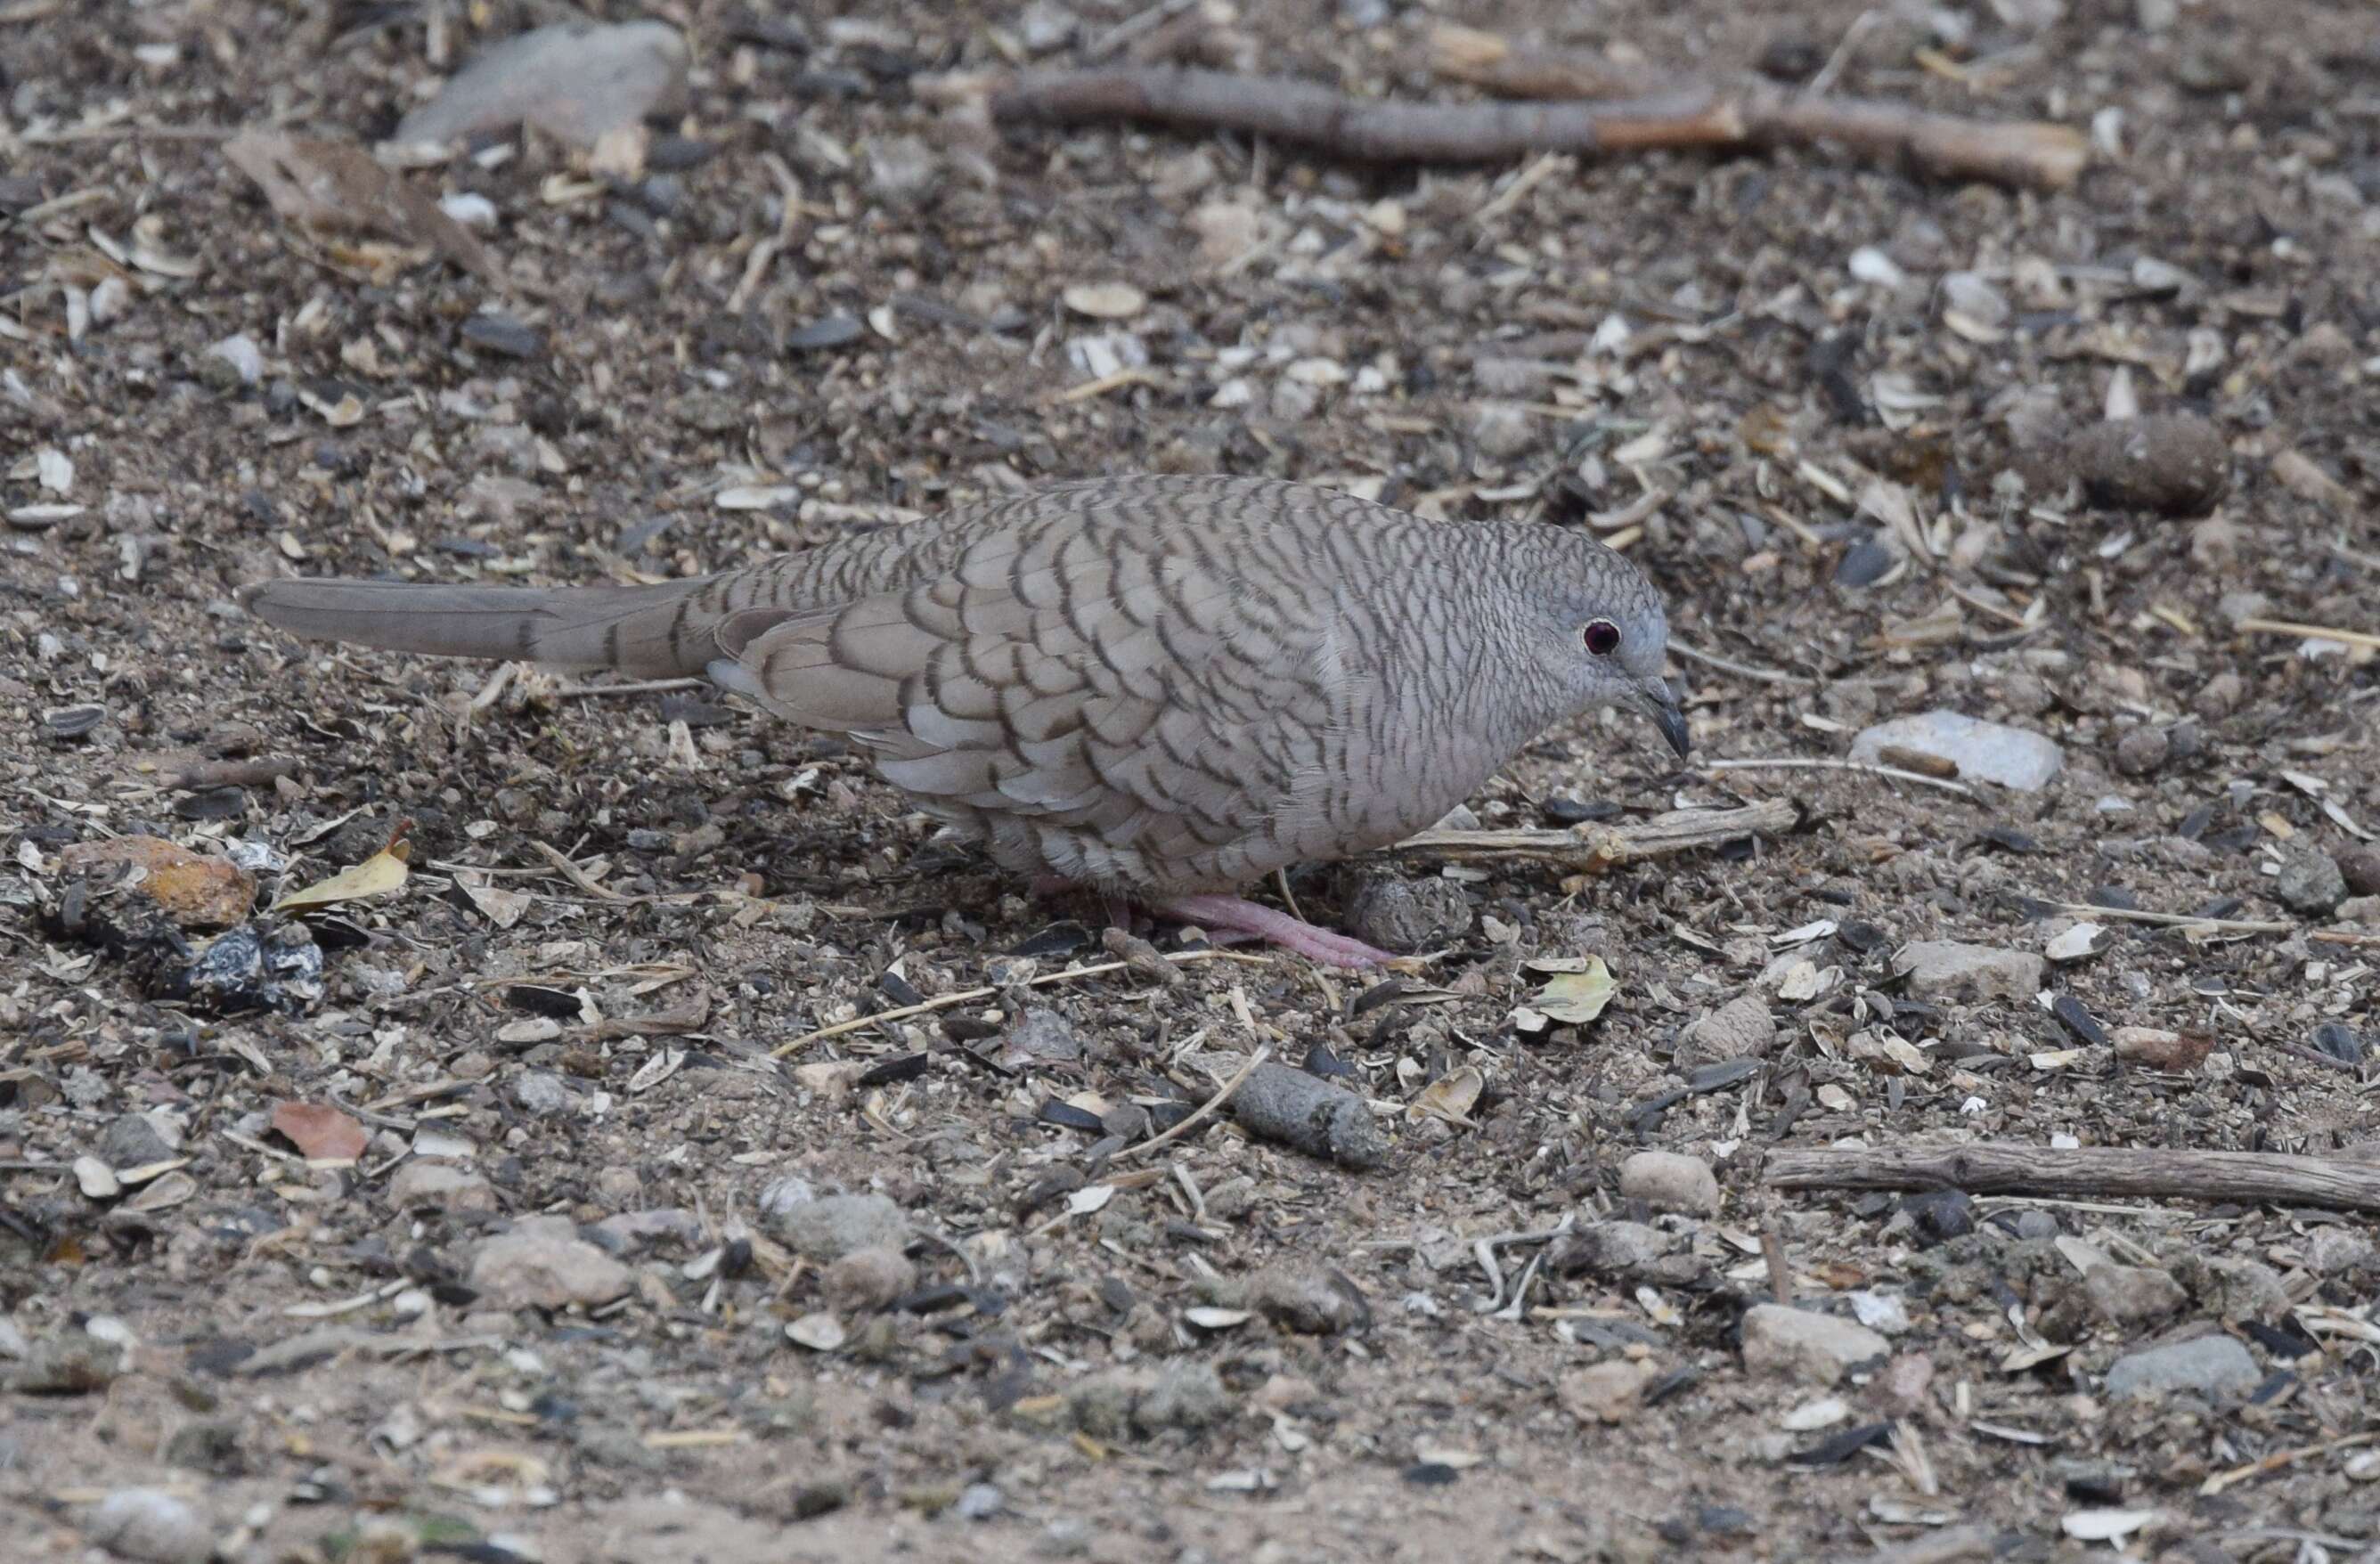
1602	637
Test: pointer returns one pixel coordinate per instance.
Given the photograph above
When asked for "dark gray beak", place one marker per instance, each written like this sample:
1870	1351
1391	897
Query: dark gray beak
1662	707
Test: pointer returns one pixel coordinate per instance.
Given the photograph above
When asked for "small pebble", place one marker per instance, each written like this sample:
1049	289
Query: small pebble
151	1527
867	1278
1667	1180
2172	464
2311	880
1805	1345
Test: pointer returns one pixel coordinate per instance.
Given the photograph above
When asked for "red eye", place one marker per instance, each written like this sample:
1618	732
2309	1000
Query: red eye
1602	637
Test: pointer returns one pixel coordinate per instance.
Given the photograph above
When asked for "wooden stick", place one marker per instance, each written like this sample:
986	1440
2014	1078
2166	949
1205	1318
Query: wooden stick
1358	129
1594	849
1824	763
2149	1172
968	996
2217	925
2311	632
2029	152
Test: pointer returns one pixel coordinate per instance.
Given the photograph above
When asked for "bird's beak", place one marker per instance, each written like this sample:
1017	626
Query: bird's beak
1662	707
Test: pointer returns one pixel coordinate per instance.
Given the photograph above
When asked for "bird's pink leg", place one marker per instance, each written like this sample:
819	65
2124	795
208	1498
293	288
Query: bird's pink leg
1239	915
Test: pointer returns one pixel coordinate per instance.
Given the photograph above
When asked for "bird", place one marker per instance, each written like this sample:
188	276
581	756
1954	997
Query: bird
1159	688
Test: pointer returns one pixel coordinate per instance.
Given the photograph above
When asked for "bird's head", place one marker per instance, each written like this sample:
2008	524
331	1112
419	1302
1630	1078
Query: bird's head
1607	637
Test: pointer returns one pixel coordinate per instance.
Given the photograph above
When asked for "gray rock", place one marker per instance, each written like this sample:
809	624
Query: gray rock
2132	1296
784	1192
978	1502
867	1278
66	1365
422	1185
1410	914
633	1233
2205	1366
1040	1036
1188	1394
130	1140
2036	1224
2141	750
825	1230
533	1268
572	80
1982	751
1044	25
1307	1299
902	170
2310	881
2235	1289
1948	969
2339	1252
1802	1345
150	1526
1669	1181
542	1093
1629	1253
1503	430
235	361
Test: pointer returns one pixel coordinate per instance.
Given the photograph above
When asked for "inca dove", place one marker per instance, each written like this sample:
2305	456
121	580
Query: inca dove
1161	687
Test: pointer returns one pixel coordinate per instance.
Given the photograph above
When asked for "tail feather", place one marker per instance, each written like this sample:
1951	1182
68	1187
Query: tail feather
649	631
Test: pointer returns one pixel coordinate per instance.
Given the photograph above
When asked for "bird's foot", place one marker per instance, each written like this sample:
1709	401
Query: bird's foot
1237	915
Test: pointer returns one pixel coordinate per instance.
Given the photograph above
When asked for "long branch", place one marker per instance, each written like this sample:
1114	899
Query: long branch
1357	129
1592	849
2087	1171
2028	153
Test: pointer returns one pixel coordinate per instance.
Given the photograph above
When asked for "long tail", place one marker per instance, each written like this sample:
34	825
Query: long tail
652	632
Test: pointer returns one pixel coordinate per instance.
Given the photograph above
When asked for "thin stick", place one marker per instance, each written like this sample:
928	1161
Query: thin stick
573	873
1281	878
967	996
2280	1459
1741	670
2028	153
635	686
1780	1275
1357	129
2150	1172
1821	763
1202	1112
2175	920
1594	849
2313	631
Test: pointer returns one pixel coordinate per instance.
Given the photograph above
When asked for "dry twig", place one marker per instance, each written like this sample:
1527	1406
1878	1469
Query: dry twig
2147	1173
1202	1112
1593	849
1760	114
1822	763
1357	129
967	996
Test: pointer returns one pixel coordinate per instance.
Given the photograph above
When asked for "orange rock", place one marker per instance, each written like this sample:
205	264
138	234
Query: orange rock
2177	1051
196	889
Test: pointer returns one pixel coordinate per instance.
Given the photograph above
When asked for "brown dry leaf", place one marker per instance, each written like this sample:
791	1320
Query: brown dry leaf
1452	1098
504	908
337	186
1577	987
382	872
320	1130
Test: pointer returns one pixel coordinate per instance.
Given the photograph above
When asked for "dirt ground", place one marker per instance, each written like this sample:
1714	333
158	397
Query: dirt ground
567	1295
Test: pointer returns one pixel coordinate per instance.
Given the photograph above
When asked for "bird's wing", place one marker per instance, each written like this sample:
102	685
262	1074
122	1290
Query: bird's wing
1090	673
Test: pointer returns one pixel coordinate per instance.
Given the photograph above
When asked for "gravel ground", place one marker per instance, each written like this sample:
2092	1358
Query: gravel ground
508	1204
